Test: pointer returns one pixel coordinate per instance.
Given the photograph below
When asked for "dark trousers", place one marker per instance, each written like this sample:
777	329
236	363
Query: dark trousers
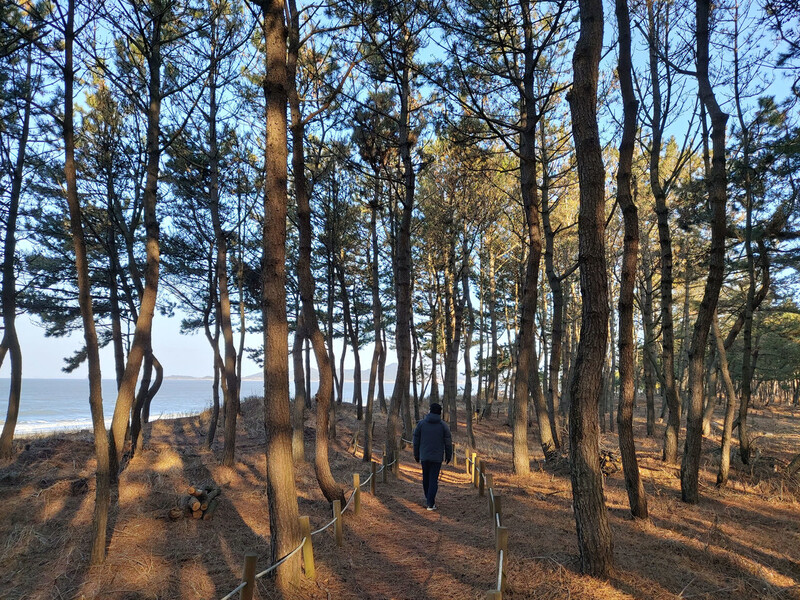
430	480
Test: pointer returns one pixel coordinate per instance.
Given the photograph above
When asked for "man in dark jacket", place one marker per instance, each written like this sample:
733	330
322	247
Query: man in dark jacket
432	443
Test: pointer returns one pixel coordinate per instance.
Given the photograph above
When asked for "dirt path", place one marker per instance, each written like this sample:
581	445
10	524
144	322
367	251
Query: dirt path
398	549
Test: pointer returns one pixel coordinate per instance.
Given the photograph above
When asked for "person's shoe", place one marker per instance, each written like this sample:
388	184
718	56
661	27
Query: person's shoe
434	507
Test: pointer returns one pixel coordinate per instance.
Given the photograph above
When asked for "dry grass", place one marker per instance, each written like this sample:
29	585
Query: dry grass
740	542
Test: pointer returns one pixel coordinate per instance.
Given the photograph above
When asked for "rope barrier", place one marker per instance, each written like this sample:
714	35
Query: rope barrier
366	481
236	589
352	495
497	518
407	441
281	561
500	572
321	529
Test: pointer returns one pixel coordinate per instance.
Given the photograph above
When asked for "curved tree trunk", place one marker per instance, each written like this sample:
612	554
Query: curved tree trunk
101	441
470	326
730	407
633	481
718	196
144	322
10	341
591	518
331	490
665	243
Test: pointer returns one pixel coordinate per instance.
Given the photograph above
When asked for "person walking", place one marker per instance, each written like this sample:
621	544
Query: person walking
432	443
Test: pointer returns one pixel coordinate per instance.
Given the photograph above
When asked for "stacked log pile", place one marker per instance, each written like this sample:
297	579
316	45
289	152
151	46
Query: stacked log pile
199	503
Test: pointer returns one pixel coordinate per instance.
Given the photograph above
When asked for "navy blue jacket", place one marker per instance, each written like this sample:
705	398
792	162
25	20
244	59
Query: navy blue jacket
432	439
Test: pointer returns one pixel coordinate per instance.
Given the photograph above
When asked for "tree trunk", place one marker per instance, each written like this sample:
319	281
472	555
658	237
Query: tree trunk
470	326
299	404
284	525
527	383
665	243
718	195
591	518
730	407
627	392
554	281
101	441
330	489
402	270
377	318
144	322
648	355
492	384
358	400
231	389
9	291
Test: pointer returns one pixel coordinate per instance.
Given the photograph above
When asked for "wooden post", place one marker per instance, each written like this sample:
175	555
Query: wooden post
357	492
308	549
383	468
249	576
481	482
498	509
455	455
373	476
501	543
466	461
494	595
473	470
490	487
337	514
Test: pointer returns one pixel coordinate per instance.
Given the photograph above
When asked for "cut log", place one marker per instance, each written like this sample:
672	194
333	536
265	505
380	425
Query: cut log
209	497
197	514
191	503
212	506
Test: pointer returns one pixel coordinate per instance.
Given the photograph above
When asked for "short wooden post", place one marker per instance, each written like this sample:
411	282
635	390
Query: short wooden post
455	455
475	469
481	480
373	476
357	492
337	514
501	543
383	467
249	576
498	510
490	486
466	462
494	595
308	549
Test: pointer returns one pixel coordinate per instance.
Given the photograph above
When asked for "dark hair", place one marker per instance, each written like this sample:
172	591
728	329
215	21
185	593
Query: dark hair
436	408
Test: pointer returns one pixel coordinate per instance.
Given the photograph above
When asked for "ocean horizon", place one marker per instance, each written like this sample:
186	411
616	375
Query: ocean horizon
62	404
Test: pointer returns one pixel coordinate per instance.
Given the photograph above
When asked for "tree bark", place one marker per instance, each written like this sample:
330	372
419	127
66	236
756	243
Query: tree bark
10	341
718	195
144	322
101	441
330	489
591	518
299	404
281	492
730	407
665	242
377	318
627	447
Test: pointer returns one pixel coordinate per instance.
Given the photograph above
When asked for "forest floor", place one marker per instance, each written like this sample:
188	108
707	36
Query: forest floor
740	542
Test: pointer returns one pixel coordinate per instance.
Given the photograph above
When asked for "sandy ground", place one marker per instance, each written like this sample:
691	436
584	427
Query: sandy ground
741	542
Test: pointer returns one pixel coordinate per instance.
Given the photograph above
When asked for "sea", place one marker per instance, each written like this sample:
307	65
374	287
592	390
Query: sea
49	405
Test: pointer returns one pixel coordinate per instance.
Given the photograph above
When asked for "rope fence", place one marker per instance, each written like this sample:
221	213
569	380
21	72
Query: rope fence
473	465
249	576
483	481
